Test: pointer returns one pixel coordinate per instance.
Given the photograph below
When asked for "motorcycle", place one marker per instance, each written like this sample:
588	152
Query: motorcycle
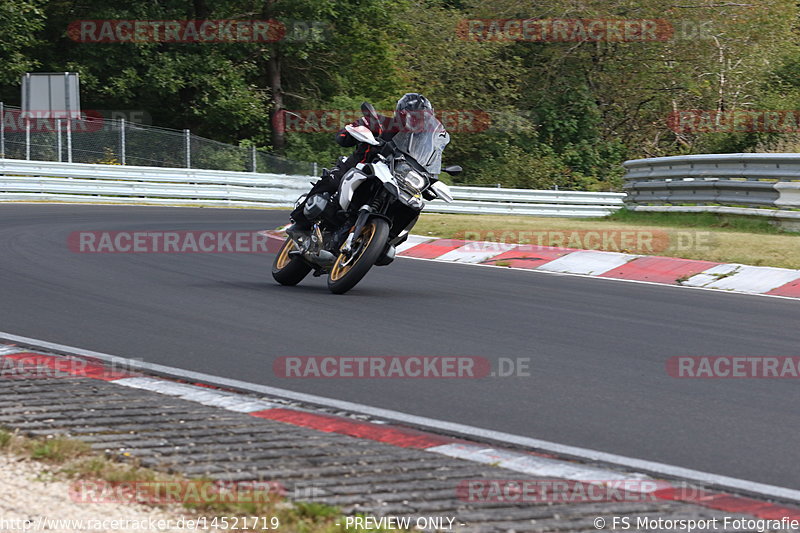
373	211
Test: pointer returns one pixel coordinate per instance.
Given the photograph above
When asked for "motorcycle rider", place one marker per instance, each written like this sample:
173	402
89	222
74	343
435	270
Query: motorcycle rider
384	128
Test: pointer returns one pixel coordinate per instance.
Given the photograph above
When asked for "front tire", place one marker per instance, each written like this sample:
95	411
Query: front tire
367	248
288	270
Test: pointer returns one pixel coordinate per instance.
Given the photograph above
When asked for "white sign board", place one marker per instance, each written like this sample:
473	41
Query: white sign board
51	95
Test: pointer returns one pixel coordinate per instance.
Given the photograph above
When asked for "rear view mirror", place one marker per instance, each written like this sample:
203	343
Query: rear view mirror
371	115
453	170
369	111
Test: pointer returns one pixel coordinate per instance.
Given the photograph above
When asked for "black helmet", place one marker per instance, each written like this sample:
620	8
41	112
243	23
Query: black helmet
413	102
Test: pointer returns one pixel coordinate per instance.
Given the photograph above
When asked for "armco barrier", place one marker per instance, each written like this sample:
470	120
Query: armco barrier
47	180
487	200
746	184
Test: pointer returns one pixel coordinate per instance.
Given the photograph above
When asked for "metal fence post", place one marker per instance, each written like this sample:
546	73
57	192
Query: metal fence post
2	131
58	139
69	140
27	138
253	158
122	140
188	142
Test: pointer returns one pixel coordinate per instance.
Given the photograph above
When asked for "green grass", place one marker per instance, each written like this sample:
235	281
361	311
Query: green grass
5	438
714	221
51	450
58	450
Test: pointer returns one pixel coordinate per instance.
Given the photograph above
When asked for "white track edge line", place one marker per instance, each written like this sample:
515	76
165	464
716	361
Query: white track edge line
440	425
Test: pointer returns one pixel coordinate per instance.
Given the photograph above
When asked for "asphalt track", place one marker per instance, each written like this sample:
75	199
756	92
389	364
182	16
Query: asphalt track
598	348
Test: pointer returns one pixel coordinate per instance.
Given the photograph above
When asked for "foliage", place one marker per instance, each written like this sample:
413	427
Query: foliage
20	21
561	114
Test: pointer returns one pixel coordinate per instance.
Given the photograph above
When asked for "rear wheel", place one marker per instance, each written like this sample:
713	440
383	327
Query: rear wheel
366	248
288	270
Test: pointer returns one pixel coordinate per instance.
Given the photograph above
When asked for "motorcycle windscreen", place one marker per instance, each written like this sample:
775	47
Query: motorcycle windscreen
423	138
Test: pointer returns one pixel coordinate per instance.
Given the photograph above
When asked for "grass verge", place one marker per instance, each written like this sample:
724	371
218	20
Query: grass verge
73	460
703	236
716	221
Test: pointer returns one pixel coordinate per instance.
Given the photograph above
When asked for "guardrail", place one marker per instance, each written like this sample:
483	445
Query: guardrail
78	182
747	184
487	200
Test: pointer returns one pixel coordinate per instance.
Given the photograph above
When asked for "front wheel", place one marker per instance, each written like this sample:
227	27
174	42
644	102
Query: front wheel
288	270
366	248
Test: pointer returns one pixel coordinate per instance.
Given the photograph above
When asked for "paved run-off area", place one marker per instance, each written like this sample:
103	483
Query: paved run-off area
356	473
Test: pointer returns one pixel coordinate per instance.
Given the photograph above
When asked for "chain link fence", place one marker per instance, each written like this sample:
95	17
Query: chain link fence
120	142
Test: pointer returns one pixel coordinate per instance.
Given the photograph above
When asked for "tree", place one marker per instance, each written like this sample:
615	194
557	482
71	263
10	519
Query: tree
20	21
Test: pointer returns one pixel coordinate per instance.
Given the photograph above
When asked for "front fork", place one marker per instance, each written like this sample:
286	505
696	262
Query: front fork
363	216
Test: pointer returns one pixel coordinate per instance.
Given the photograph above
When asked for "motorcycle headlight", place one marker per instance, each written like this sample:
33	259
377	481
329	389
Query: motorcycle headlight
410	179
415	179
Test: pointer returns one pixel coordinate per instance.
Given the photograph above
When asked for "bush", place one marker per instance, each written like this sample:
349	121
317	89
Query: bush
541	169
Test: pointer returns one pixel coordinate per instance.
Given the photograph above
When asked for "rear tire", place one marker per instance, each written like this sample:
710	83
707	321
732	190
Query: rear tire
289	270
367	247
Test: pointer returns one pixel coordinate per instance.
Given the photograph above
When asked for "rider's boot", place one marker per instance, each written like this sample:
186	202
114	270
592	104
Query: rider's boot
300	230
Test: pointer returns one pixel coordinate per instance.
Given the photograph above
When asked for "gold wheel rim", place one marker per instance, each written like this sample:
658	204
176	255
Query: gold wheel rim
342	266
283	257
